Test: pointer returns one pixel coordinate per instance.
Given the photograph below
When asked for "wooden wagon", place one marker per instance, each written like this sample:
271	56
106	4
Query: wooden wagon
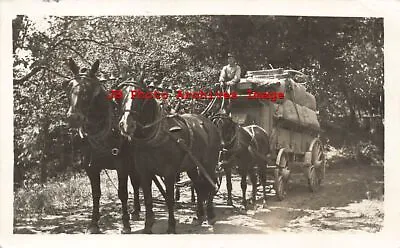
293	145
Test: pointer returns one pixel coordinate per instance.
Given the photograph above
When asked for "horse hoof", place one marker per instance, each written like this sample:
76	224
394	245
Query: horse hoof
93	229
126	230
229	203
135	216
145	231
265	205
197	222
251	206
212	221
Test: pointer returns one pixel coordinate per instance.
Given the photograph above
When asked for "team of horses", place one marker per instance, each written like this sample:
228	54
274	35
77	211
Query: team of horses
138	138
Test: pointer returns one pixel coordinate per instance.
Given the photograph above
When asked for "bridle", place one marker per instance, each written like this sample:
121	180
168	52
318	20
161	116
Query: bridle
137	113
96	140
234	137
79	77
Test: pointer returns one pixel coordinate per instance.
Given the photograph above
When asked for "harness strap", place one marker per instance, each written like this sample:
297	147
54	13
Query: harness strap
182	141
183	146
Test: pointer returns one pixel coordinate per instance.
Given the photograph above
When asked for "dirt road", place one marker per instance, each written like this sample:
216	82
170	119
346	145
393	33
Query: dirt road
340	205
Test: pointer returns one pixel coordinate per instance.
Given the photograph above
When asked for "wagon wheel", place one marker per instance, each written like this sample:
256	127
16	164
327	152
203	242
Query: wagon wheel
281	178
280	186
316	172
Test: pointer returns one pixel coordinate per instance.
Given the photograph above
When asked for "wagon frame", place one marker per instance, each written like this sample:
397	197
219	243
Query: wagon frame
292	146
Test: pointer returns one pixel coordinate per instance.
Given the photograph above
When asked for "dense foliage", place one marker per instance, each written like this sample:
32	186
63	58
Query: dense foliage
343	56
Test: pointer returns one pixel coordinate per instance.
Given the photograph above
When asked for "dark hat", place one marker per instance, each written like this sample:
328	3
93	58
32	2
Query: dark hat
231	55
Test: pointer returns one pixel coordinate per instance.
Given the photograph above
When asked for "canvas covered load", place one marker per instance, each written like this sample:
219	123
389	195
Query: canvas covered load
279	81
296	113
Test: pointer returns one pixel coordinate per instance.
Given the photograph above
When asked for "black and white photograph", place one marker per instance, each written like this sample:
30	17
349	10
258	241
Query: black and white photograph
197	124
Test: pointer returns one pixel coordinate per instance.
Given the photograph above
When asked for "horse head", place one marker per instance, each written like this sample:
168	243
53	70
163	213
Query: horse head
138	107
84	88
227	128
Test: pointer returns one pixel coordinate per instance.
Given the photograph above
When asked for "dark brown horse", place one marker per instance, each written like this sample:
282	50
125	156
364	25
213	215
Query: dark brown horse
168	144
95	117
247	147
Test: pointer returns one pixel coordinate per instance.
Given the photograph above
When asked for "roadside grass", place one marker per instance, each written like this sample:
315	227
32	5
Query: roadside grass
68	191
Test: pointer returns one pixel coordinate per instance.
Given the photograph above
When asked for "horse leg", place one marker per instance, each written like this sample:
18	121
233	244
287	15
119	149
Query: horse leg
169	184
135	181
243	185
253	179
146	181
262	174
177	192
194	176
211	217
94	177
123	196
228	173
193	197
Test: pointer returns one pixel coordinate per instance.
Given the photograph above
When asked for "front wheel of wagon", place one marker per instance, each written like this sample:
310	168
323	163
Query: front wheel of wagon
281	175
313	180
280	188
316	172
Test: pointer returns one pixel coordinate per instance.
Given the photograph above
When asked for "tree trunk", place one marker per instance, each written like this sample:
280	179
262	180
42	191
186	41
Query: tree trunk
43	162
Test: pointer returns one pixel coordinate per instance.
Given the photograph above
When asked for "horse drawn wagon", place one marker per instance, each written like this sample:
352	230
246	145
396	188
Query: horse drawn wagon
165	144
290	123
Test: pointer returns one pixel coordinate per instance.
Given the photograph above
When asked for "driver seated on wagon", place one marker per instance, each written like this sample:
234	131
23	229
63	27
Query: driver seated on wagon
229	77
230	74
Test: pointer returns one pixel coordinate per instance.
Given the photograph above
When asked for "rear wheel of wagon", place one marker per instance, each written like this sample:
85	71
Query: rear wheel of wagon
316	172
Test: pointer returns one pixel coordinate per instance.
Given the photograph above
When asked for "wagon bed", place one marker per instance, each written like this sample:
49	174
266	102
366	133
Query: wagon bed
291	145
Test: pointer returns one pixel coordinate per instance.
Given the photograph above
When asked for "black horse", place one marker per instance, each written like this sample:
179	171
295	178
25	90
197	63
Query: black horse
168	144
95	117
247	147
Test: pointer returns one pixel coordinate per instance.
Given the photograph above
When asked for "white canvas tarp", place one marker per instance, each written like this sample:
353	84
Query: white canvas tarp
299	94
302	115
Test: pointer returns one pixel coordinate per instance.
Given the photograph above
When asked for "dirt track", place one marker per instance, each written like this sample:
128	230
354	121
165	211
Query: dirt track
340	205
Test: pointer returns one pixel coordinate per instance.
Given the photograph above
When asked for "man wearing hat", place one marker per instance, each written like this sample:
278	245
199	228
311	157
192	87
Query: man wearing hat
229	77
230	74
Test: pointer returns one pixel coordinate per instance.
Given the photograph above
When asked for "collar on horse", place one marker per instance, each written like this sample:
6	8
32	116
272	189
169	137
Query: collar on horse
99	141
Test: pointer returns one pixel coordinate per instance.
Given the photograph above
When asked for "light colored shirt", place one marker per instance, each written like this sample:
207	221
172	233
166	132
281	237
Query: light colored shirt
230	73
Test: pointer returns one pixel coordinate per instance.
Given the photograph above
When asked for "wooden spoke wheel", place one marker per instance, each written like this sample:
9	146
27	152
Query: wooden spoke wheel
281	178
313	181
280	188
316	172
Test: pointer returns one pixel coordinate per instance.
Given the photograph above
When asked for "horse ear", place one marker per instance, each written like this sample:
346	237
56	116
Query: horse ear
72	65
95	67
140	79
